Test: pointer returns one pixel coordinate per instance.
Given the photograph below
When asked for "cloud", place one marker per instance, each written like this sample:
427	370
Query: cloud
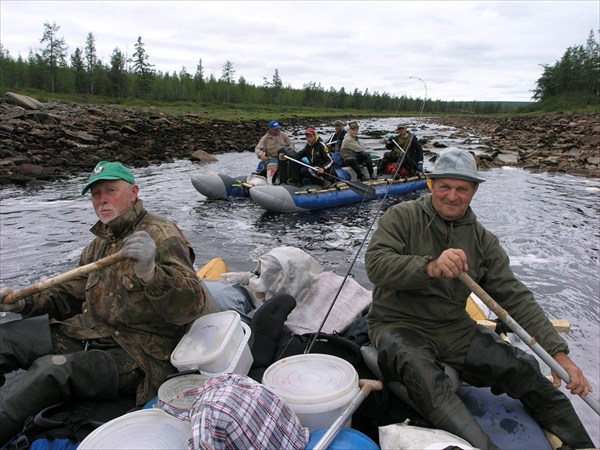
464	50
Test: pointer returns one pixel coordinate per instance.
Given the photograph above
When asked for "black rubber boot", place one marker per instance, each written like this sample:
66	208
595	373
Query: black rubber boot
53	378
565	424
22	342
454	417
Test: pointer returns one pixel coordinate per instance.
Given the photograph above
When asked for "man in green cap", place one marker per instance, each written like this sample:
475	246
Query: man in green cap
418	321
110	333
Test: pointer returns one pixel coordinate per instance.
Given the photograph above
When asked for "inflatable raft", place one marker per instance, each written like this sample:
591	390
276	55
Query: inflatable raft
285	198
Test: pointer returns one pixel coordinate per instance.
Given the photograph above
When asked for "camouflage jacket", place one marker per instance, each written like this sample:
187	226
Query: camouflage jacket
147	321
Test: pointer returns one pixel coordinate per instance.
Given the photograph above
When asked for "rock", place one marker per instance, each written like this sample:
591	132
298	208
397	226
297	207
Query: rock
23	101
202	156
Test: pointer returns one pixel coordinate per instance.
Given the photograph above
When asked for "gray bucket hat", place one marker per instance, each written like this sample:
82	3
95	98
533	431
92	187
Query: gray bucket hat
458	164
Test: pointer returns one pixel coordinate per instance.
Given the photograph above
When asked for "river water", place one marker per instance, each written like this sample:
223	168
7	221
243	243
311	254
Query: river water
549	225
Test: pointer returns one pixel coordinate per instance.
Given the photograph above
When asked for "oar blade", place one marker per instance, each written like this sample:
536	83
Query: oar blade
362	189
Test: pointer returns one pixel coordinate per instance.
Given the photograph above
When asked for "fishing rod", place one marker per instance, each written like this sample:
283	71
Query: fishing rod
362	244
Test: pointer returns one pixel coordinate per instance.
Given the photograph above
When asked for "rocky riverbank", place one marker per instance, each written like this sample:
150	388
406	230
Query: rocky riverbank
45	142
564	143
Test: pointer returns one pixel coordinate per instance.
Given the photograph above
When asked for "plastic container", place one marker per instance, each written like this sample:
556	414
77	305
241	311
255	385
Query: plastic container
317	387
242	360
172	391
146	428
346	439
211	343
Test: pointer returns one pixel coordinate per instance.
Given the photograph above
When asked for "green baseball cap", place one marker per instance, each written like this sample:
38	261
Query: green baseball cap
109	171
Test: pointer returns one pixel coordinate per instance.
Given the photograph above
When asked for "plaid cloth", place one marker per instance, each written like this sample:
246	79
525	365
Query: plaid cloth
234	412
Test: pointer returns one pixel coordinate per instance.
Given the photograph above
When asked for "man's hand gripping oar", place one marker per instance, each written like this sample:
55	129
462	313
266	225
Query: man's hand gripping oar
561	365
9	298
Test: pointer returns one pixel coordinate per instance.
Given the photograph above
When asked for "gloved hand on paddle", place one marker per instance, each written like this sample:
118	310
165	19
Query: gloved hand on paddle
142	248
420	166
15	307
392	138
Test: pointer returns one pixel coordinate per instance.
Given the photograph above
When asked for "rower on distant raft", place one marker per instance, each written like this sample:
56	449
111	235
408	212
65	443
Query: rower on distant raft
404	147
418	321
268	151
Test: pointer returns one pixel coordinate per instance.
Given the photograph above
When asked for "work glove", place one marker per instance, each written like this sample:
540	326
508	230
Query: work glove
391	138
15	307
142	248
420	166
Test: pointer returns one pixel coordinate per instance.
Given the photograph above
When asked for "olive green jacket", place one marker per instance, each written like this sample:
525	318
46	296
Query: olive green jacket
145	320
408	235
350	146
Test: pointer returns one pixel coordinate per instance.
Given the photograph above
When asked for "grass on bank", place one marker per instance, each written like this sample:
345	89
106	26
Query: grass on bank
249	112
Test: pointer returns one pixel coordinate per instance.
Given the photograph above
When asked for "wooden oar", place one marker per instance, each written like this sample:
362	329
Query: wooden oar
361	189
366	386
67	276
525	337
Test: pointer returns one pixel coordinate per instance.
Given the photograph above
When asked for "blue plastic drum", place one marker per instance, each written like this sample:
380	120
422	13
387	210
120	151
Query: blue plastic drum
346	439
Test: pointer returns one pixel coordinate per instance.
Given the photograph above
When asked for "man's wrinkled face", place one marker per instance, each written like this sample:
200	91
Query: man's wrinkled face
452	197
112	198
273	131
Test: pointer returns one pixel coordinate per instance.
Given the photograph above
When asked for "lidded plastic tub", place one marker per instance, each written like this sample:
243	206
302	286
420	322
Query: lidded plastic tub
317	387
147	428
172	392
211	343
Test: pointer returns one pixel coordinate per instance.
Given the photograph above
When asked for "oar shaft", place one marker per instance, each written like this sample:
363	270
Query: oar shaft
64	277
524	335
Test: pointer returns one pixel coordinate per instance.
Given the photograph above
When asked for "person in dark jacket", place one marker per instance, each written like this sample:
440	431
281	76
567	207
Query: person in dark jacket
335	141
403	142
317	155
418	321
109	333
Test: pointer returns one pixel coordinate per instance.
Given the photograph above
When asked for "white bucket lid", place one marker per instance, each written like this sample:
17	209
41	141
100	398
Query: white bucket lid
311	378
171	389
144	429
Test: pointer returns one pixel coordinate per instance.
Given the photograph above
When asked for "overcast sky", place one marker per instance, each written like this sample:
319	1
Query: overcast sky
469	50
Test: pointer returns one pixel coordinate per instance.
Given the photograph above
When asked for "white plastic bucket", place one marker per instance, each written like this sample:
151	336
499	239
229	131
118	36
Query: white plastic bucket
146	428
317	387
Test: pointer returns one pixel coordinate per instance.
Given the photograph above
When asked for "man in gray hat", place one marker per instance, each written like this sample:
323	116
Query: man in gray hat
418	321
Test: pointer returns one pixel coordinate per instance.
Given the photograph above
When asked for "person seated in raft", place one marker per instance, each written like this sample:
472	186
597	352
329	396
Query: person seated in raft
316	154
418	321
109	333
412	163
336	139
267	150
354	154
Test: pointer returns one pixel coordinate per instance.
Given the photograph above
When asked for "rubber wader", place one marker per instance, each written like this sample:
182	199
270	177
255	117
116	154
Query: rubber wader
507	369
53	378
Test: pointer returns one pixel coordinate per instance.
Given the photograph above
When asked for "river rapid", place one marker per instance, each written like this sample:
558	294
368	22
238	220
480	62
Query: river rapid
548	223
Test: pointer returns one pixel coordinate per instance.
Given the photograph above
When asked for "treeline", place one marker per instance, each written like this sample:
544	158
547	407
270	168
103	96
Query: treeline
576	73
82	72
